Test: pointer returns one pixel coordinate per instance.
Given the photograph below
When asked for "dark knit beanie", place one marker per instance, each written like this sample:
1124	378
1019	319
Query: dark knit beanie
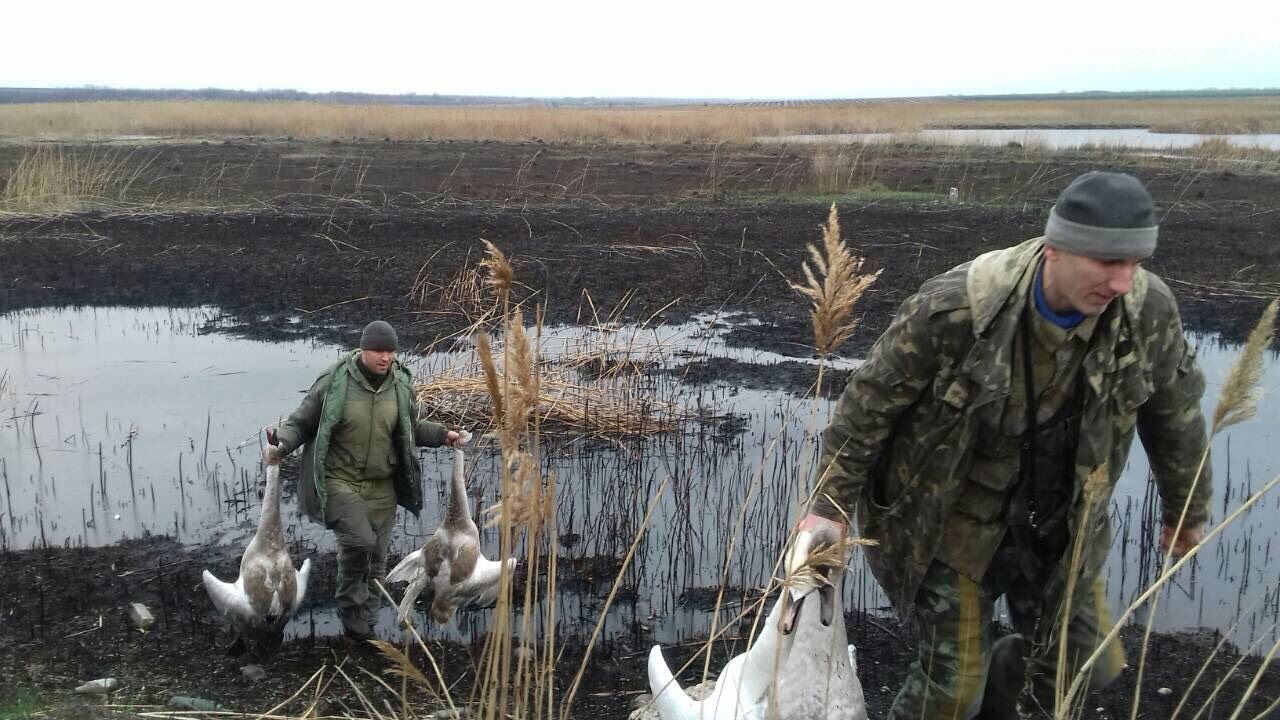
1104	215
379	335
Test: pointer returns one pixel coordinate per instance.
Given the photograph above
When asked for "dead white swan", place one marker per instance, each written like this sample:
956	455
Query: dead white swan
269	591
449	563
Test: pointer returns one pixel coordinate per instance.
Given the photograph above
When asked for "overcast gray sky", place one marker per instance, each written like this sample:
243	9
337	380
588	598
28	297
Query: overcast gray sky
666	48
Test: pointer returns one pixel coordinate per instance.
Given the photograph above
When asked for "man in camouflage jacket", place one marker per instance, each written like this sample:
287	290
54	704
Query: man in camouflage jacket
359	426
929	449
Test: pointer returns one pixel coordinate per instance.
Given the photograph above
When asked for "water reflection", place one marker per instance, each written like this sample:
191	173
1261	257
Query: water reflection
120	422
1052	138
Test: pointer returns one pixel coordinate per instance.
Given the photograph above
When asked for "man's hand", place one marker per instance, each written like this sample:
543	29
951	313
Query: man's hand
1185	540
271	455
813	532
456	438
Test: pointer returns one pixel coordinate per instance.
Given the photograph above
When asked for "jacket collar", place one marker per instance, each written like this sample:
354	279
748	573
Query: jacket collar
997	285
398	372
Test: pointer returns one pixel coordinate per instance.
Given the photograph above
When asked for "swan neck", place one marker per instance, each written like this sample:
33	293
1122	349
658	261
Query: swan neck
270	519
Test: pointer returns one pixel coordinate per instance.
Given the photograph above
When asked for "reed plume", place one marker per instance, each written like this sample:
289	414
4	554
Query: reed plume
1238	399
834	288
834	284
501	275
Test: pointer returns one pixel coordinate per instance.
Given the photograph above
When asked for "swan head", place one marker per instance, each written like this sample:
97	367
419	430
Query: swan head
818	582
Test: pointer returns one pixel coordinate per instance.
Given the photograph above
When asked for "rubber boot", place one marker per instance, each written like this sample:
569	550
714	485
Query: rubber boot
1006	679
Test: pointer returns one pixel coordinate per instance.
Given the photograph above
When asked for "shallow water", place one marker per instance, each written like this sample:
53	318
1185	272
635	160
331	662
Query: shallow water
118	422
1052	138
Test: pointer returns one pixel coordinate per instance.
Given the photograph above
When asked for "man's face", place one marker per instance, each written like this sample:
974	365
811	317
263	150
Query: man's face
379	361
1079	282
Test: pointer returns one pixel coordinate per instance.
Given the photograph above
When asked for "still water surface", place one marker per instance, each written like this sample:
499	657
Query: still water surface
1052	138
121	422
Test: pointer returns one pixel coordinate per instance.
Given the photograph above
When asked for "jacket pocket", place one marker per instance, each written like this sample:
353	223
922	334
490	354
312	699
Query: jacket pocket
1131	391
986	487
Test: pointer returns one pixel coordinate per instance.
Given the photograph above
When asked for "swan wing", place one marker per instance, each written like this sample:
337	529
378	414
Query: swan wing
301	582
410	596
228	598
407	569
672	702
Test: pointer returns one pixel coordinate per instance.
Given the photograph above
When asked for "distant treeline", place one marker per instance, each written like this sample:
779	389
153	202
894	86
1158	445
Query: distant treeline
93	94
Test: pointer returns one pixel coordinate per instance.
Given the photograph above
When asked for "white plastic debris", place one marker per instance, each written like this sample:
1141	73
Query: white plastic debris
101	686
141	616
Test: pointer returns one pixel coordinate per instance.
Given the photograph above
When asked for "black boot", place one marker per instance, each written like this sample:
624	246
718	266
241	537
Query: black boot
1006	679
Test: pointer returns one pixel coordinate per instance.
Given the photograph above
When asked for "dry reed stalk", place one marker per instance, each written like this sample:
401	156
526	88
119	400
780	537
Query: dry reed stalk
834	288
1253	684
1094	488
401	665
485	353
1222	643
1210	702
1237	402
1078	682
1217	648
435	666
462	294
613	592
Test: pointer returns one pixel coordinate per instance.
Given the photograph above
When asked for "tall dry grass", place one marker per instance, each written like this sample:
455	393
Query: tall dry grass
708	123
50	179
1237	402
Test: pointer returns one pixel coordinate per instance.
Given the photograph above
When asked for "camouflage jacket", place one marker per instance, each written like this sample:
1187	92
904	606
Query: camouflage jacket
898	449
320	418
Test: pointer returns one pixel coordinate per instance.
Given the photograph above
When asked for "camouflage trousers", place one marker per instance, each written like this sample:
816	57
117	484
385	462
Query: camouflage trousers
361	515
954	617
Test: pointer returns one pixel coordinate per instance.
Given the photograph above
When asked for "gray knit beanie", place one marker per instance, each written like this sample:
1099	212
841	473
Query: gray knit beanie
1104	215
379	335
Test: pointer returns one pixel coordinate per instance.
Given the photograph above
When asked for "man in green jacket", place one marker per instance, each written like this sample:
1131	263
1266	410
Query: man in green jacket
985	434
359	426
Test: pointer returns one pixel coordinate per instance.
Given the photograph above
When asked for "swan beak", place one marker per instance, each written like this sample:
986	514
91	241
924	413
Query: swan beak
827	603
790	611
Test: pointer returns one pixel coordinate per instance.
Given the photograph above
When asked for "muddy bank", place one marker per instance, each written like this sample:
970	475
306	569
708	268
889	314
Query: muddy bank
264	269
64	622
659	232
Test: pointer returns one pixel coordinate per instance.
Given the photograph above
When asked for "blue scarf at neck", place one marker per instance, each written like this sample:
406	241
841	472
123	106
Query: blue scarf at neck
1066	320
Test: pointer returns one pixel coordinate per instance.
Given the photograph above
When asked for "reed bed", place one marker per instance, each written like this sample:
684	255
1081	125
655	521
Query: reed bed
563	406
709	123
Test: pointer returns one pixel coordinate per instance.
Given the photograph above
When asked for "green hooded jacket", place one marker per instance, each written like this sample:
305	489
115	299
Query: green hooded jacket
897	453
313	425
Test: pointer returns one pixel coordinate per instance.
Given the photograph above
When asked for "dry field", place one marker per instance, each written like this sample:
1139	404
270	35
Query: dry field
701	123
